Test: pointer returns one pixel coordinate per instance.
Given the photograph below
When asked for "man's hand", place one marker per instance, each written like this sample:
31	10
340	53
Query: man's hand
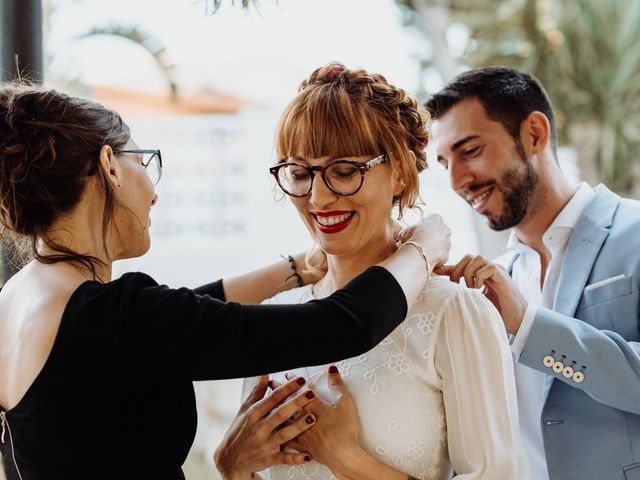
496	284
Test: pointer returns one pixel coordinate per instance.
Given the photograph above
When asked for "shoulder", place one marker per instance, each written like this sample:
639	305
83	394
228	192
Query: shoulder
295	295
461	308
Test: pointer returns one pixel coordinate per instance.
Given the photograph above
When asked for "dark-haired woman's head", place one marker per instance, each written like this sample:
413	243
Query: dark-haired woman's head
56	153
340	116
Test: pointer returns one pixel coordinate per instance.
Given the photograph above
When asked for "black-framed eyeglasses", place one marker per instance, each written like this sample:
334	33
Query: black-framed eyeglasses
343	177
151	161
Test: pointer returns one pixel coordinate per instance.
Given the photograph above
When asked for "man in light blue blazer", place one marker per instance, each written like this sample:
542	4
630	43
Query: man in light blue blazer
568	290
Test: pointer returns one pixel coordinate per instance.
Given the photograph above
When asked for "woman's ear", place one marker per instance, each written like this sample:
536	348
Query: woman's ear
110	166
399	184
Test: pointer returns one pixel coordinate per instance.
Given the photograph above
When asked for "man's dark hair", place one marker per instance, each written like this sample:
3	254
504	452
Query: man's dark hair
507	95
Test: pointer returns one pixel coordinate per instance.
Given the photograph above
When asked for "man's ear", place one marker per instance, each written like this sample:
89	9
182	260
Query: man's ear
536	132
110	166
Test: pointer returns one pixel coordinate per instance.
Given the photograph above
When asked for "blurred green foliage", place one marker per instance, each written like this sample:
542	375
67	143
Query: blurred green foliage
587	55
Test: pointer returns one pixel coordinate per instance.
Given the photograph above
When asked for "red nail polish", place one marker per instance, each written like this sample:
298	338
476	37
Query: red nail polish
333	370
307	458
309	420
310	395
300	381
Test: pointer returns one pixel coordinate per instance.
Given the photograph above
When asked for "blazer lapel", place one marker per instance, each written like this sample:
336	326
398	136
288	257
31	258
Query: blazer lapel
585	243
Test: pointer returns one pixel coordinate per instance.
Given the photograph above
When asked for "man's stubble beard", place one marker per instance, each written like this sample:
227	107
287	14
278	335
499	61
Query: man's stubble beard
517	186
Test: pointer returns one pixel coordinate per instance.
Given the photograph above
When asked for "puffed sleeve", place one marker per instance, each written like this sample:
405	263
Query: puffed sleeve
475	364
177	334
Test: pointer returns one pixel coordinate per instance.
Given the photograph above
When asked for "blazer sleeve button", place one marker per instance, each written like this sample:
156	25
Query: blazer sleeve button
578	377
548	361
558	367
567	372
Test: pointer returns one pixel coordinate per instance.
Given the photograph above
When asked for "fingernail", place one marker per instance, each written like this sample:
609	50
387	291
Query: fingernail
309	420
307	458
300	381
333	369
310	394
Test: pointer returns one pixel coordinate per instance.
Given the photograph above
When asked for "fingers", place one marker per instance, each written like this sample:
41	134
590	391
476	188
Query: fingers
334	379
273	384
294	429
285	411
458	269
293	458
263	407
258	389
444	270
471	271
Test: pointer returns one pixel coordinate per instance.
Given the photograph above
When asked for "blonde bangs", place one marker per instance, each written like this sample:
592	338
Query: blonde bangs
323	122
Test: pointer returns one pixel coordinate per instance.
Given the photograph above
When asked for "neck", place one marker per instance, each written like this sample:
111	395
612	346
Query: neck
80	231
552	194
343	268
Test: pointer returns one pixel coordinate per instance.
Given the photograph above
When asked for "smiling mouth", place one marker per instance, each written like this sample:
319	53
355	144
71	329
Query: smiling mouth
477	201
328	223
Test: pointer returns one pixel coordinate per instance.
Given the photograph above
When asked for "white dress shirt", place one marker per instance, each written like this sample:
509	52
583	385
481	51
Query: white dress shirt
526	275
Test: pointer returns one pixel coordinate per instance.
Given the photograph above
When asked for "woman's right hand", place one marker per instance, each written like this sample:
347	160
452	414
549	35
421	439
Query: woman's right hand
433	235
253	442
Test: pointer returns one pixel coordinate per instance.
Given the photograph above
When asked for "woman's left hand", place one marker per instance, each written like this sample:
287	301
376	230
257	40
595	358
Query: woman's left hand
335	439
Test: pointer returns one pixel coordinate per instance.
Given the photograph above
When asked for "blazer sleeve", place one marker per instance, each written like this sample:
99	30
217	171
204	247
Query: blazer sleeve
475	364
177	334
602	363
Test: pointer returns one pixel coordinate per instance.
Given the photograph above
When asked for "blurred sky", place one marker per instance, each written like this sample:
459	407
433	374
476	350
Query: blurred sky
261	55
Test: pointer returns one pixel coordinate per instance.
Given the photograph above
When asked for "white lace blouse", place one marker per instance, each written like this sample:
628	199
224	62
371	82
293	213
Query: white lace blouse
437	396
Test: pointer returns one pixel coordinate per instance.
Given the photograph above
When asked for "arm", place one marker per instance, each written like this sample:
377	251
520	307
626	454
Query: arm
180	335
612	373
256	286
474	361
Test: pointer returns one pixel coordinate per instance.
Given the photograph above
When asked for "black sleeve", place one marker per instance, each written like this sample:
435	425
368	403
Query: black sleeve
180	335
214	290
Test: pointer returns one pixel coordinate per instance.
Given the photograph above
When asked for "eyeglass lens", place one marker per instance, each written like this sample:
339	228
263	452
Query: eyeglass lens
152	165
343	178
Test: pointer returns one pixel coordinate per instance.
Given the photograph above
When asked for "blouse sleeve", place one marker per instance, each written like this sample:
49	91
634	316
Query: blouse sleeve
475	364
177	334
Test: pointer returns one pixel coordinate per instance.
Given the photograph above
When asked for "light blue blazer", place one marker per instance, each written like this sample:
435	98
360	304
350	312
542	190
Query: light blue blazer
591	419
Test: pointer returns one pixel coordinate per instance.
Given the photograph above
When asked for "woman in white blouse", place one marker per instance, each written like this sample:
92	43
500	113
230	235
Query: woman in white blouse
437	397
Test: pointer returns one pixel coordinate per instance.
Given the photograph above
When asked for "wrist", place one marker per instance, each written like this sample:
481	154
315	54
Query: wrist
349	465
418	248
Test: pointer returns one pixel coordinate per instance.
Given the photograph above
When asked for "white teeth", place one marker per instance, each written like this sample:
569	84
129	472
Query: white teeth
476	201
330	221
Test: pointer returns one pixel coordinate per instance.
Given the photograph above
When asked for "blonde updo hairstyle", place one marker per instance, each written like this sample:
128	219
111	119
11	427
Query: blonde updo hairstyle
340	112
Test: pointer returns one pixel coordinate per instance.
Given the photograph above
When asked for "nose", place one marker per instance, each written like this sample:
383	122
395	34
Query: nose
154	199
460	176
321	195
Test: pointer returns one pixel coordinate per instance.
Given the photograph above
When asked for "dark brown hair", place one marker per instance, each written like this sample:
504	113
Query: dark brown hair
342	112
507	95
49	146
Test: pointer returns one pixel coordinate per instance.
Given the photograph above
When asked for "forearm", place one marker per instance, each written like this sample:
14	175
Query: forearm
362	466
256	286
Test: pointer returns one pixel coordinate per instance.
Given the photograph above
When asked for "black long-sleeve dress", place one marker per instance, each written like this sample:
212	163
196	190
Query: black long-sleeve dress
114	399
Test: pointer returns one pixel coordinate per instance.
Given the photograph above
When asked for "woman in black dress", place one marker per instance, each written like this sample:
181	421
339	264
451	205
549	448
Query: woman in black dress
95	373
